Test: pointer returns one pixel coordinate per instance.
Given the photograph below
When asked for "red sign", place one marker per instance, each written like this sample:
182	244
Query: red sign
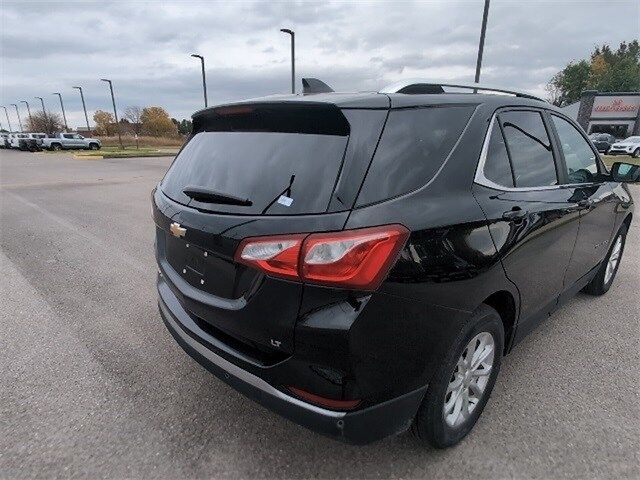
616	105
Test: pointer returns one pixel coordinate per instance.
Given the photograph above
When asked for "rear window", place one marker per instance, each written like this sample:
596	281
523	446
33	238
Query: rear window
414	145
284	159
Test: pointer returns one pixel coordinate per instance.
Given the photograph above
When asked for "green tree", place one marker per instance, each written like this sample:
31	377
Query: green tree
185	127
605	71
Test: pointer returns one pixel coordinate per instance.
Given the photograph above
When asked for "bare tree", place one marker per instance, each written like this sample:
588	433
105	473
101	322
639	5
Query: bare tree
133	113
44	122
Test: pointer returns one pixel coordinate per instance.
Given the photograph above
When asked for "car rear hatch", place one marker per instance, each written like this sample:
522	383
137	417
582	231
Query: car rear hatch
248	170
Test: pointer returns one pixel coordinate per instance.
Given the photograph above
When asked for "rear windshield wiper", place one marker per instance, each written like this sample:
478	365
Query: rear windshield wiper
210	196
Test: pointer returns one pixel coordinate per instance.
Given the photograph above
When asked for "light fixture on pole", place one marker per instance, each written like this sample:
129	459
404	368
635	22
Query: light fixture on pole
42	102
8	121
293	57
204	80
84	107
115	111
29	112
64	115
18	114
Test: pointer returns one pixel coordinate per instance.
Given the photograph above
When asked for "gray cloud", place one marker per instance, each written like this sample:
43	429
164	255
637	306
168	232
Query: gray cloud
144	46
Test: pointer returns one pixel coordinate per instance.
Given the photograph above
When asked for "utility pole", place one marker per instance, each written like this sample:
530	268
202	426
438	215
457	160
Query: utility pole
483	31
204	80
64	115
18	114
84	107
29	112
115	111
293	57
8	121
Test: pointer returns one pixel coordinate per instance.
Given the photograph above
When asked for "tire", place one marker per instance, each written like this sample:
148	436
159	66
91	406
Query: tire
636	153
56	147
431	424
600	284
94	146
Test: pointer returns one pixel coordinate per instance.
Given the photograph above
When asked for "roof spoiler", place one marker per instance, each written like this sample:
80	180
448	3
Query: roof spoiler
313	85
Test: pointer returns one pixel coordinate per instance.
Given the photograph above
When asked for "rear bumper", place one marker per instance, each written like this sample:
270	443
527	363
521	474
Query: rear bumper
357	427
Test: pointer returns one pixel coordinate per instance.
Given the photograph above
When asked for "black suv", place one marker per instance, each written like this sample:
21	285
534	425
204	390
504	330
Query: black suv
360	263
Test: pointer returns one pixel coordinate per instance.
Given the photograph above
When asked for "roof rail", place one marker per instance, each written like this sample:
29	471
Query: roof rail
418	85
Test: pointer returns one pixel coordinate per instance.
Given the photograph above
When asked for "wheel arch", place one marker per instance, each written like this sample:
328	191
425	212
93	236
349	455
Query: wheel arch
504	303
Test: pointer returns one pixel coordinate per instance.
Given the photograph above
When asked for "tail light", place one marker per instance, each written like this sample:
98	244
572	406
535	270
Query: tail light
277	255
358	259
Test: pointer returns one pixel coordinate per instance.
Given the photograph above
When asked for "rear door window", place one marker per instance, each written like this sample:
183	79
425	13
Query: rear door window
414	145
530	149
496	166
284	159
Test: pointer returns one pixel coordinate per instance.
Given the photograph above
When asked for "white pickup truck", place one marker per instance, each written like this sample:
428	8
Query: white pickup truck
26	141
73	141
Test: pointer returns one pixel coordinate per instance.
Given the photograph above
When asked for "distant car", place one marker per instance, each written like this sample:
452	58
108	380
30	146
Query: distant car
628	146
70	141
27	141
15	139
602	141
4	140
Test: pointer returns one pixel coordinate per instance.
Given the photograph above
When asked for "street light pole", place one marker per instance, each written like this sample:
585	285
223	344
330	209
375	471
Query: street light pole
204	81
64	116
18	114
8	121
115	111
45	117
29	112
293	57
485	14
84	107
42	102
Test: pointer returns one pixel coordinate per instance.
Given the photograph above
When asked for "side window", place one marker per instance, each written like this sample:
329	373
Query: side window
67	135
414	145
582	166
530	149
496	165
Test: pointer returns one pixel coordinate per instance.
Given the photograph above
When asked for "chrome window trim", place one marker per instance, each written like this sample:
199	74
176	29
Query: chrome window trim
480	179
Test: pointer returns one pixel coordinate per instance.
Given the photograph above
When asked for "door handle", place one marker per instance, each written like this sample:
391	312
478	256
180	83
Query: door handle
515	214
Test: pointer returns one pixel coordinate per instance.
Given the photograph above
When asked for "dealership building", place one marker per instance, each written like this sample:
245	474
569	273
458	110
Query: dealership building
614	113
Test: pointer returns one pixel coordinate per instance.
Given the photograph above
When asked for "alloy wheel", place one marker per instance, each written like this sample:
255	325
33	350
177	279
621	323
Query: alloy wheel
614	258
469	379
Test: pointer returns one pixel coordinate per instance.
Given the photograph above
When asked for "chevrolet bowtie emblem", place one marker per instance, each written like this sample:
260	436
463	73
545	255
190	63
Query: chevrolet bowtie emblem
176	230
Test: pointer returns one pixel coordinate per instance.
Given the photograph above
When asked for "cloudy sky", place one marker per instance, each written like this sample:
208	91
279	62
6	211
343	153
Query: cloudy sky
144	46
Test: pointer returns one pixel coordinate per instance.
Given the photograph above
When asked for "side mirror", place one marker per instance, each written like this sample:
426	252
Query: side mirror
625	172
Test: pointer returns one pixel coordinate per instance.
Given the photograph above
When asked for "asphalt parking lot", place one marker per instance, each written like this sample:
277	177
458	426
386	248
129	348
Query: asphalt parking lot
92	385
